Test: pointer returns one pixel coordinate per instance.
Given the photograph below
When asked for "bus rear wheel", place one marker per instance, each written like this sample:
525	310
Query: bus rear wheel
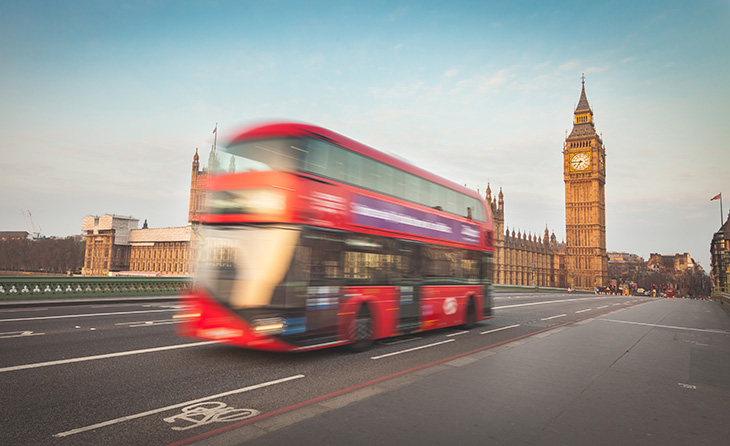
361	331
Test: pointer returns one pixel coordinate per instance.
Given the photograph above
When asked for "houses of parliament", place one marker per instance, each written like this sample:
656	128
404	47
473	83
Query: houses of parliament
115	245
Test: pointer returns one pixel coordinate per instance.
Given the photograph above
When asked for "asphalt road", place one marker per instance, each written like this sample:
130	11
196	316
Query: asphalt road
118	374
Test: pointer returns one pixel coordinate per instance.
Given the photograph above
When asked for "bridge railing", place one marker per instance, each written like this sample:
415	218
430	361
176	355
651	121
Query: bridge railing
60	287
723	298
531	289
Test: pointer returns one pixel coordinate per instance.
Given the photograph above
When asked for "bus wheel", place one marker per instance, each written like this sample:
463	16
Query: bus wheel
471	315
361	331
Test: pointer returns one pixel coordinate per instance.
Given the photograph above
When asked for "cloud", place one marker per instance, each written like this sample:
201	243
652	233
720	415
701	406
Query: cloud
451	73
400	90
481	84
572	65
629	59
400	12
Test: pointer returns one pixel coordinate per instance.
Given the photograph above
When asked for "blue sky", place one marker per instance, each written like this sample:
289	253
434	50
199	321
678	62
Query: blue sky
104	103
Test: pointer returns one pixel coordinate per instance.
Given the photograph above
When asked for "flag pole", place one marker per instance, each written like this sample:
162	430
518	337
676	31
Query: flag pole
215	138
715	198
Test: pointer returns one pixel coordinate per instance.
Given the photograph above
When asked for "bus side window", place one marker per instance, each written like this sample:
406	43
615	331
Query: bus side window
355	168
385	179
315	160
412	188
336	164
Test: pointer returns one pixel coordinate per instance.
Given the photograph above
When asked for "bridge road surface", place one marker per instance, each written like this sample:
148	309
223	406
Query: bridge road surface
549	368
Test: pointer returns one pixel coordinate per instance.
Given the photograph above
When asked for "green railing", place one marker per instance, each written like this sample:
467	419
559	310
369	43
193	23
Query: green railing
34	287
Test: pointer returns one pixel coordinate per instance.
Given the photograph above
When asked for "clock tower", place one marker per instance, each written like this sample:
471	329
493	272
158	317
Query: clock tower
584	173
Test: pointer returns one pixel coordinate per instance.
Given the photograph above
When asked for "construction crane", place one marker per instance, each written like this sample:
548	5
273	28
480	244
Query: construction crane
34	230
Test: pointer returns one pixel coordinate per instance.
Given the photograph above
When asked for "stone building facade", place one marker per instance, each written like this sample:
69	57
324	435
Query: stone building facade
114	245
522	258
584	174
720	259
581	261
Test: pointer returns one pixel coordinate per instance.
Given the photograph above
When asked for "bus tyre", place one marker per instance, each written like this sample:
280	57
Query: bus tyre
361	331
471	315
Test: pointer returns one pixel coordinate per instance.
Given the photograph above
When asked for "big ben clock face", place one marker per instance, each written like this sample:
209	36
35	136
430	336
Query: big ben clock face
580	161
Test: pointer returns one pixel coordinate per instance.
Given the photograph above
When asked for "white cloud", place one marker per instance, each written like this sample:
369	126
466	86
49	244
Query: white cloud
400	12
451	73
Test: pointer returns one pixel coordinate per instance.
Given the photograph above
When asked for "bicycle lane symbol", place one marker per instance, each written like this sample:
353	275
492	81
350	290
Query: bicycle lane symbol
209	412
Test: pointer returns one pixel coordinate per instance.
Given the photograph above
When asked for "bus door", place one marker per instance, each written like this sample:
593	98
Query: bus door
409	309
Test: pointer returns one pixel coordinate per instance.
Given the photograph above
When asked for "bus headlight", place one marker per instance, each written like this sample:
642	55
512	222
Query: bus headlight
268	326
247	201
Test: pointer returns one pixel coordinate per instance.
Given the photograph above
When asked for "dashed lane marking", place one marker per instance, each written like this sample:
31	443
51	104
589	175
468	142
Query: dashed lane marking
18	334
412	349
553	317
583	311
602	307
150	323
544	302
500	329
457	333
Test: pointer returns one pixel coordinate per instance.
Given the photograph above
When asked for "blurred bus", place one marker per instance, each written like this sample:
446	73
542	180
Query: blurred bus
312	240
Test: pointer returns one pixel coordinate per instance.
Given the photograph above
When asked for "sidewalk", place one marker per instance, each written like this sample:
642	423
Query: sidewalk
657	373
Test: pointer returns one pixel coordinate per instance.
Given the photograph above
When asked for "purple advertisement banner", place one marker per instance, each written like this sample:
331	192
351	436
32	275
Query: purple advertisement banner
382	215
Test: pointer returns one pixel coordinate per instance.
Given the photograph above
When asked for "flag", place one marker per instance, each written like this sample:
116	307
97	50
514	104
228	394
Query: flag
717	197
216	129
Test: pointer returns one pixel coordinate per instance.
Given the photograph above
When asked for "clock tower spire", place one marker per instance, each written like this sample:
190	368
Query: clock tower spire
584	173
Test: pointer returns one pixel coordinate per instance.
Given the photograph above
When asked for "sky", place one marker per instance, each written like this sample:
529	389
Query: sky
104	102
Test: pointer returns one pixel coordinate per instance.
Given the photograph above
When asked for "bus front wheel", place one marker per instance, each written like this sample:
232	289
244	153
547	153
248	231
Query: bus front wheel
361	331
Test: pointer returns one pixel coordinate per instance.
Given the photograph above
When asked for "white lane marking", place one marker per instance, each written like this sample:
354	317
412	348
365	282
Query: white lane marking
399	340
175	406
553	317
18	334
150	323
706	330
583	311
604	306
105	356
457	333
546	302
617	304
66	316
500	329
21	310
687	386
412	349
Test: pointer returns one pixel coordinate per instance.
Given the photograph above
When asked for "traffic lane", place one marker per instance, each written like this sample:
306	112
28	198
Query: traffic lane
204	375
90	330
25	340
553	311
590	383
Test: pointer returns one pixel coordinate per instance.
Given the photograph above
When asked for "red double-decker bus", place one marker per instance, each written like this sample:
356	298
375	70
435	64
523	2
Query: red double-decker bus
311	240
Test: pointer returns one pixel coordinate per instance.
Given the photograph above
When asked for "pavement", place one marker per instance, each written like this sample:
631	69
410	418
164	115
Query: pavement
656	373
